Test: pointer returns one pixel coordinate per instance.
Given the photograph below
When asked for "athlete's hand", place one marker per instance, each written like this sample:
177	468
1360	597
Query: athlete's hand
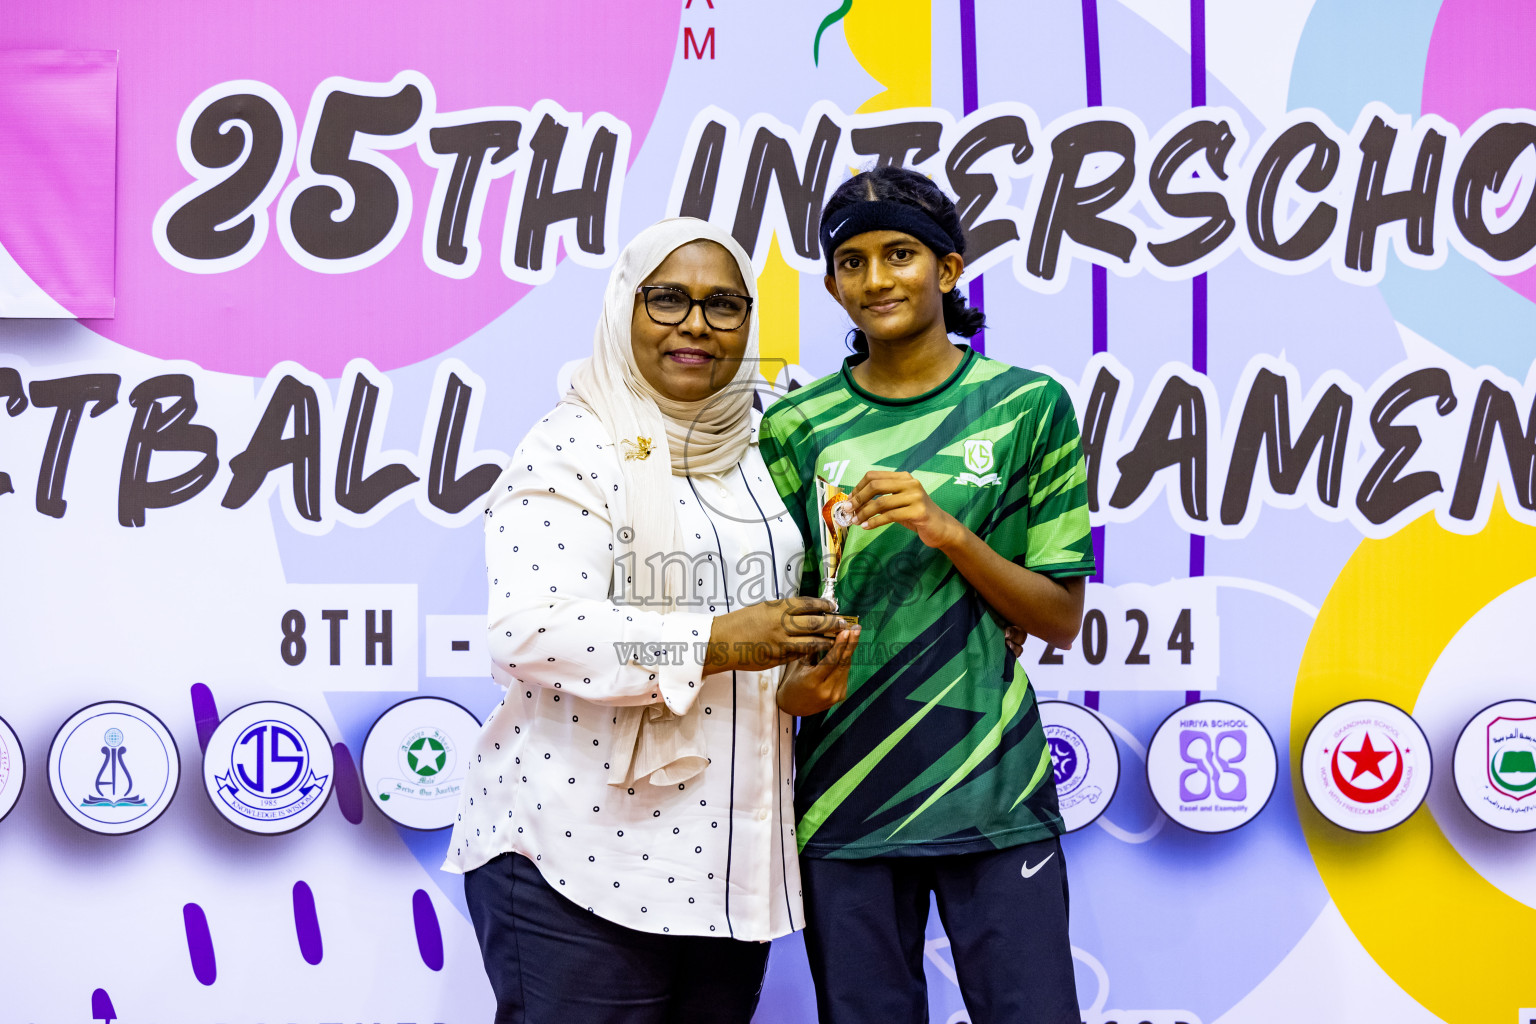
1014	637
809	687
884	497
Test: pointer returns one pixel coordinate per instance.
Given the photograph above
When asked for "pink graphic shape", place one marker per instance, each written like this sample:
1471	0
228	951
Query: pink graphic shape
58	136
586	55
1480	60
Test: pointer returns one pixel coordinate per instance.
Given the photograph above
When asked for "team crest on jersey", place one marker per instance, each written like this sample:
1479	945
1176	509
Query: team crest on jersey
979	461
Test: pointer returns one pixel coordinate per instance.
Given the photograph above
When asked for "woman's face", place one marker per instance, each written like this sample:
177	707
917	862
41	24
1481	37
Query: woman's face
693	359
892	285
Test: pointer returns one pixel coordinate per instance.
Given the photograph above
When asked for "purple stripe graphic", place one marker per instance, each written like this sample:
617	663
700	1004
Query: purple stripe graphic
349	791
1197	99
1199	294
1091	53
970	99
1100	309
968	89
1197	349
199	944
306	924
976	295
429	934
1093	74
205	713
1197	53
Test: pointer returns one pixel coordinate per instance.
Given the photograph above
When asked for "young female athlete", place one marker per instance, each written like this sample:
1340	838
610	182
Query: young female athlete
970	515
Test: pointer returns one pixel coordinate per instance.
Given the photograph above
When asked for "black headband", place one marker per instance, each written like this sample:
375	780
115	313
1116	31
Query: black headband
884	215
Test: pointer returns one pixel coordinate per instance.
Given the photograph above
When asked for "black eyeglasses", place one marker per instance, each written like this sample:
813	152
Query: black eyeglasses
670	306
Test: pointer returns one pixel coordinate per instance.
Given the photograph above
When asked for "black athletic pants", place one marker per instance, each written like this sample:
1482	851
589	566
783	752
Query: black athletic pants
1005	913
552	962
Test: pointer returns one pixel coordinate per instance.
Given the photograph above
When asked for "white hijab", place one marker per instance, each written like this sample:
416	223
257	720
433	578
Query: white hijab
685	438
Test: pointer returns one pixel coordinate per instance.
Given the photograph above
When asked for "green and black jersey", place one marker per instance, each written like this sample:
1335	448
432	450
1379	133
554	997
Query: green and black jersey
934	750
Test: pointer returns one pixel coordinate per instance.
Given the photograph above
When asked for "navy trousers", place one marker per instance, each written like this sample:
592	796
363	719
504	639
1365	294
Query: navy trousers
1005	913
552	962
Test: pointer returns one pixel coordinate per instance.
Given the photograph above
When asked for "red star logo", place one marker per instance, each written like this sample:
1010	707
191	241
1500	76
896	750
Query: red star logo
1367	759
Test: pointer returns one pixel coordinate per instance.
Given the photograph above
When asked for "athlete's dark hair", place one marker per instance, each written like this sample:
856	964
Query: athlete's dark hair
904	185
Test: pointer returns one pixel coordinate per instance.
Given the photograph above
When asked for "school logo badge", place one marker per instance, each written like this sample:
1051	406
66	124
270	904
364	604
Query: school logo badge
1084	761
13	768
268	768
1366	766
1495	765
1211	766
978	459
426	753
1511	756
412	763
1069	759
113	767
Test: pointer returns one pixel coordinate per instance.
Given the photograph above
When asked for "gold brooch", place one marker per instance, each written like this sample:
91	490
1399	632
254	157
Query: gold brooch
639	448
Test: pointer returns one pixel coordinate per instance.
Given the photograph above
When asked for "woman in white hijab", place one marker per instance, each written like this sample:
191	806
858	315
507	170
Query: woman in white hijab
627	826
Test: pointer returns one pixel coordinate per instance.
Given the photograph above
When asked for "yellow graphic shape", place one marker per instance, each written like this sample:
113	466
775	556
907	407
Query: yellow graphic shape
778	325
1421	911
893	41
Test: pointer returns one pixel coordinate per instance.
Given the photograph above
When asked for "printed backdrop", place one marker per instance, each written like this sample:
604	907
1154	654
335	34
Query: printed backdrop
1280	253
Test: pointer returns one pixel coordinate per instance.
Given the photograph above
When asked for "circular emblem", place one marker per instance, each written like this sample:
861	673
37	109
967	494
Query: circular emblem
13	768
1366	766
412	764
1495	765
268	768
426	755
1211	766
1084	761
113	767
842	514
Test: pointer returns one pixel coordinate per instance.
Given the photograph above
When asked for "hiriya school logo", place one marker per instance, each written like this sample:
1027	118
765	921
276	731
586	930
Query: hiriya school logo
412	764
1366	766
1495	765
268	767
978	459
13	769
1084	761
1211	766
113	767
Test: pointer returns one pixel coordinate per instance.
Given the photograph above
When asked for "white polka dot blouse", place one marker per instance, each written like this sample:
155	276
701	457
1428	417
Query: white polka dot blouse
712	856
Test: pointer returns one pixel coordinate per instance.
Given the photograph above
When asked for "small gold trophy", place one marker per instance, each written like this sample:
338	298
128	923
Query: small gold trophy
836	517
